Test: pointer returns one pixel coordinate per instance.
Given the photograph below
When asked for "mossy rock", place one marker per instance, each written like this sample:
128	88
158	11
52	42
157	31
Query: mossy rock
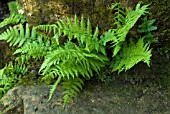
42	12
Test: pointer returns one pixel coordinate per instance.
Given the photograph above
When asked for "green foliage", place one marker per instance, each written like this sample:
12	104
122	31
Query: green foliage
126	55
75	31
9	75
147	27
17	37
72	86
69	52
15	16
124	24
85	52
131	55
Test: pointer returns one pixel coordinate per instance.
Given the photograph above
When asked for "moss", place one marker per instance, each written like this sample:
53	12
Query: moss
41	12
5	54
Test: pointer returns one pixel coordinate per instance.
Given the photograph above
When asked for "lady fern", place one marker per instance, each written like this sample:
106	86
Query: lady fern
75	31
124	56
70	62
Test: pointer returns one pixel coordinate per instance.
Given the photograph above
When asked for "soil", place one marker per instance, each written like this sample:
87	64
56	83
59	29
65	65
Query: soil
141	90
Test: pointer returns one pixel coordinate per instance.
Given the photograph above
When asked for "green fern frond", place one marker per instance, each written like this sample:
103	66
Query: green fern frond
17	37
119	15
78	30
13	7
74	30
9	76
118	36
54	87
49	29
15	17
35	49
132	54
147	25
71	60
71	87
145	30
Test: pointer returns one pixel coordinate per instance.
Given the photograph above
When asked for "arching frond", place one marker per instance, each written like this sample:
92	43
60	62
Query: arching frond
132	54
72	87
17	37
71	60
118	36
15	17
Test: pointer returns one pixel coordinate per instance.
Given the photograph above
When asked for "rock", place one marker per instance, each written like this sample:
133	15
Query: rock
96	98
5	53
30	100
49	11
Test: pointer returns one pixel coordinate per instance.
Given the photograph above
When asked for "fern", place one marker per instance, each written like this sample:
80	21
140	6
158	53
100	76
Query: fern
147	27
64	59
35	49
17	37
119	14
9	75
72	59
126	56
76	30
132	54
15	17
81	53
72	87
118	36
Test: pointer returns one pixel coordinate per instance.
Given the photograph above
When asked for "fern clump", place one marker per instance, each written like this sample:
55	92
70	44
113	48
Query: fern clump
70	52
73	60
126	55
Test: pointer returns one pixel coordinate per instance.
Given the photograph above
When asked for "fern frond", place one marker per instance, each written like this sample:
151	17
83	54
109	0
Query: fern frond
50	29
119	15
118	36
15	17
71	60
145	30
15	36
71	87
35	49
78	30
9	76
132	54
54	87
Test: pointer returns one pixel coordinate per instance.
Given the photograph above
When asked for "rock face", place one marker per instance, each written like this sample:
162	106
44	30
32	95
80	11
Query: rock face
96	98
30	100
49	11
